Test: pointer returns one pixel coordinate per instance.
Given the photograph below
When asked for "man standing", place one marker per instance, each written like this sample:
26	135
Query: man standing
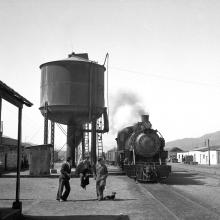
64	180
84	170
100	175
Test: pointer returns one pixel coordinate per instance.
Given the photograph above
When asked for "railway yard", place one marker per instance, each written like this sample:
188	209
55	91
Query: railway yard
186	194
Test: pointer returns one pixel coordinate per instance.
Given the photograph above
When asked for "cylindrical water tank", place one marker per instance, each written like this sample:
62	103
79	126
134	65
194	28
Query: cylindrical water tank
73	89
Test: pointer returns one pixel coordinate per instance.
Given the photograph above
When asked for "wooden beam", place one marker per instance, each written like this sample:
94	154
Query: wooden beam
10	99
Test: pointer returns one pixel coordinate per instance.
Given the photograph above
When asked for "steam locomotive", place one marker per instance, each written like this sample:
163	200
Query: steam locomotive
140	151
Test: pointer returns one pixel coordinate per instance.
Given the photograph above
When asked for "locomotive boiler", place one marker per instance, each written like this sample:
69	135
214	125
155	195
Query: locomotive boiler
141	152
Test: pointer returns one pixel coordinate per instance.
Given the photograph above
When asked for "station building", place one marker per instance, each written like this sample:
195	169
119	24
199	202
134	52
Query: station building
8	154
201	155
172	154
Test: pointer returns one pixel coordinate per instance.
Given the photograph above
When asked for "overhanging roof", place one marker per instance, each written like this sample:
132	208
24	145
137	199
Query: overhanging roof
215	148
175	149
12	96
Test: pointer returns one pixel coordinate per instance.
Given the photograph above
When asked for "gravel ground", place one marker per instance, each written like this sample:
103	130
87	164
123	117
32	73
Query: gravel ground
133	201
38	197
203	188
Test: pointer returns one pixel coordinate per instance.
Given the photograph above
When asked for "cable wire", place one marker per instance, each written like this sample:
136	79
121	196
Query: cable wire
164	77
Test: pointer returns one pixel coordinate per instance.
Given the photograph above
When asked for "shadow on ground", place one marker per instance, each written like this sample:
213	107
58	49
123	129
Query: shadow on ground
107	200
184	178
79	217
13	199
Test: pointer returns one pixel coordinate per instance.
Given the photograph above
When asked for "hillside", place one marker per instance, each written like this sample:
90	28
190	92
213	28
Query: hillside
192	143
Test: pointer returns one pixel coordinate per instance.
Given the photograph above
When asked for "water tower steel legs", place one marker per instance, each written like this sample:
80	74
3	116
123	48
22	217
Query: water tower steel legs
83	145
46	123
70	151
52	141
93	143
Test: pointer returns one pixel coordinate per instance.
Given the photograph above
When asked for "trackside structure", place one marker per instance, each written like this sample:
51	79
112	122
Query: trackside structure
18	101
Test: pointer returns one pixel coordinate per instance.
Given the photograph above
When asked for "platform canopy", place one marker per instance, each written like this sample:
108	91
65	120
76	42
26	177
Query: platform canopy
12	96
16	99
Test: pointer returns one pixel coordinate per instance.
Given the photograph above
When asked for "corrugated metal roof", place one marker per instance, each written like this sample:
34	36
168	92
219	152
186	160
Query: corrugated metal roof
13	93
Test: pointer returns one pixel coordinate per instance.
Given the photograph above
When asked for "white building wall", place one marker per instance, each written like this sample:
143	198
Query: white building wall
201	157
181	155
196	155
214	157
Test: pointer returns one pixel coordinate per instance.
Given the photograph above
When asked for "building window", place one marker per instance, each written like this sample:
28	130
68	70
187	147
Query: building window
203	156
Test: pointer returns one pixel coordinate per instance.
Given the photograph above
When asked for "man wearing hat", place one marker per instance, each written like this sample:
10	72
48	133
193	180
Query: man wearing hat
84	169
64	178
101	173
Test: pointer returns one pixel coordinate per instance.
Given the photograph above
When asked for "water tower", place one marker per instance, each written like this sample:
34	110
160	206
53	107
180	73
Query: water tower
72	93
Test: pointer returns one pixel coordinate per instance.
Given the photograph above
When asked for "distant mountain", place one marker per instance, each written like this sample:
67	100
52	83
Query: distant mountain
192	143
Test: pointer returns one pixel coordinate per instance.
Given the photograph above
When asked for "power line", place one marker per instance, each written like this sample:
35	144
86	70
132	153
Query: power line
164	77
33	136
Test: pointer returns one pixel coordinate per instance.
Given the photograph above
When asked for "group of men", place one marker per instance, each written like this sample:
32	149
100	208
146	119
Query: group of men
84	170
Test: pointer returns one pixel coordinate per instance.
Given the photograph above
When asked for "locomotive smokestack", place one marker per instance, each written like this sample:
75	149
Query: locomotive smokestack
145	118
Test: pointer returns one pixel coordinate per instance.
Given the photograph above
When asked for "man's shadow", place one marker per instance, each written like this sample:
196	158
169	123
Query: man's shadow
92	200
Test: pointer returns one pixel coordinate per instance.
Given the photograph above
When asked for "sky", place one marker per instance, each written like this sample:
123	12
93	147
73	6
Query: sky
164	54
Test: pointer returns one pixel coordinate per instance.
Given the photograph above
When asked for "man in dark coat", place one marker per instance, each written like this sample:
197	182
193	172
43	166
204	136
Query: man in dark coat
64	178
84	170
101	173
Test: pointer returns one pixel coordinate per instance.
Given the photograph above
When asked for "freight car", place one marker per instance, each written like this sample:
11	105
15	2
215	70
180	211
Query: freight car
111	156
141	152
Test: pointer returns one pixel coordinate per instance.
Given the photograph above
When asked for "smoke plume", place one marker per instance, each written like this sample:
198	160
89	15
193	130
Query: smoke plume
126	110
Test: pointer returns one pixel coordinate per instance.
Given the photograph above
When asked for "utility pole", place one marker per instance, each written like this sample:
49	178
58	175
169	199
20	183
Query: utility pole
208	150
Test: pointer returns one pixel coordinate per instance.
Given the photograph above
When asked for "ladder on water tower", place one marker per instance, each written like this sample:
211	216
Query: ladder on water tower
99	142
86	139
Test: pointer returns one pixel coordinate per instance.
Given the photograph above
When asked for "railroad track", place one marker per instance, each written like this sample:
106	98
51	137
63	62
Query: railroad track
176	204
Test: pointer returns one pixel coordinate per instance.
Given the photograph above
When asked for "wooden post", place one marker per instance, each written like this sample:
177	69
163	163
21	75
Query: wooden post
17	204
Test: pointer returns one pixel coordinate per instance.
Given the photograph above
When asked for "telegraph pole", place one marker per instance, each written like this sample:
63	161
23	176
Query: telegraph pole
208	150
